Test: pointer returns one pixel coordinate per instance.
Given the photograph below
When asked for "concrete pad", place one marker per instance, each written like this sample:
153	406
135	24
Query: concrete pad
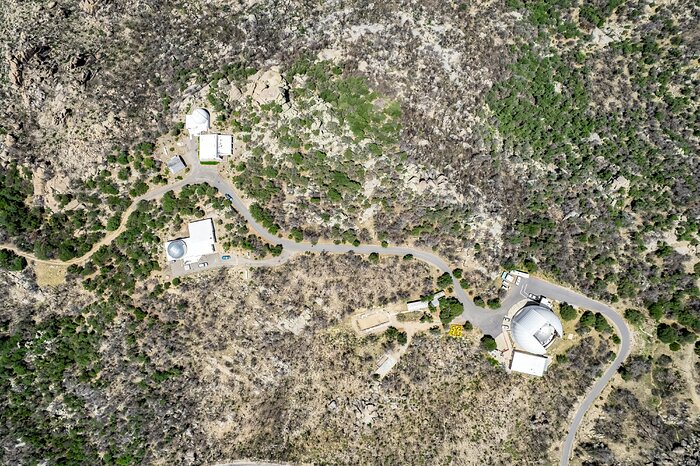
372	320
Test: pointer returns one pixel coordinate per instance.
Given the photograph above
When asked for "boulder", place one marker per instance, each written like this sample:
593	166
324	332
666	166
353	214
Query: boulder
270	87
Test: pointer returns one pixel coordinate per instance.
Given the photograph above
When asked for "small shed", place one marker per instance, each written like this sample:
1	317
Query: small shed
176	165
415	306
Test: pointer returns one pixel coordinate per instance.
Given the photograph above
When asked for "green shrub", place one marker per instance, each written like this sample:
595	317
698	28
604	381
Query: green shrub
587	319
450	307
444	280
634	317
567	311
9	260
601	323
488	343
393	334
666	333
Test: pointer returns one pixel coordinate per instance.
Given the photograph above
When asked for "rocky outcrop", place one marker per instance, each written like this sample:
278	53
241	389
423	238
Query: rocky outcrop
17	62
268	87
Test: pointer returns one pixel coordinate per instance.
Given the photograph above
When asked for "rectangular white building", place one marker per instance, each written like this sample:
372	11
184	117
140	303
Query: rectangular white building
176	165
414	306
213	147
385	365
527	363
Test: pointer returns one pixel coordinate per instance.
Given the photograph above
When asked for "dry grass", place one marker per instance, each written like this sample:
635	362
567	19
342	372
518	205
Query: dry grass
50	275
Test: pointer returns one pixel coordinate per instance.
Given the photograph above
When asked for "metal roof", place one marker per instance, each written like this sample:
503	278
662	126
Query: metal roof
529	363
534	328
176	164
176	249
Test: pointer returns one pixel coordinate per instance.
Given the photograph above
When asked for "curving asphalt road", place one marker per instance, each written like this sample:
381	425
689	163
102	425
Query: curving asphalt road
489	321
561	294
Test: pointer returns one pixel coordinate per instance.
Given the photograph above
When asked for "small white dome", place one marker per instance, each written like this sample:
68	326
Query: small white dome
201	116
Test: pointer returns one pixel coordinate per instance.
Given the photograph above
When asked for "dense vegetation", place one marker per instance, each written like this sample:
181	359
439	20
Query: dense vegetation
9	260
335	125
53	384
609	124
84	215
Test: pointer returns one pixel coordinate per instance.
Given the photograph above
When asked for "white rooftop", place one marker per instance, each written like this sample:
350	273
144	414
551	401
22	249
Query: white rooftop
534	328
529	363
213	147
197	122
387	362
224	144
200	242
416	306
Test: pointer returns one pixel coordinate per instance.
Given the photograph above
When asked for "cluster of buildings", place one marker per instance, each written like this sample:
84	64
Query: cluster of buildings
212	147
201	242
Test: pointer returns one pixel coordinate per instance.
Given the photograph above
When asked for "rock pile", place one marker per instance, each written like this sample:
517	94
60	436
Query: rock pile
268	87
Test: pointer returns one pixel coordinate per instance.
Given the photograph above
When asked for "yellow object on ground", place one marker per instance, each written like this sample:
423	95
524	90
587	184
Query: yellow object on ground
456	330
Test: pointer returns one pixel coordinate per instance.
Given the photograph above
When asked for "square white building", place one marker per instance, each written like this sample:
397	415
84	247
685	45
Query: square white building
213	147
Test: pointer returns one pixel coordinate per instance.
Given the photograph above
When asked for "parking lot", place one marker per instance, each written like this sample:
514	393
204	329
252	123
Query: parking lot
216	261
212	261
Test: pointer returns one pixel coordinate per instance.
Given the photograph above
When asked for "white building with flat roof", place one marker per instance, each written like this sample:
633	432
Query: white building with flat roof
526	363
415	306
213	147
202	241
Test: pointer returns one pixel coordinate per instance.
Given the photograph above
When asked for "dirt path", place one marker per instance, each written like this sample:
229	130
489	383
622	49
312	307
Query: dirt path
153	194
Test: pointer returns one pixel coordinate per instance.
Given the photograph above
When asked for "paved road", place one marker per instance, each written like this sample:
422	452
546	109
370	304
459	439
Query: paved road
559	293
489	321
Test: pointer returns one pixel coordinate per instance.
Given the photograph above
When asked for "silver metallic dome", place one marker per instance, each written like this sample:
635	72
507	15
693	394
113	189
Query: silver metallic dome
534	327
177	249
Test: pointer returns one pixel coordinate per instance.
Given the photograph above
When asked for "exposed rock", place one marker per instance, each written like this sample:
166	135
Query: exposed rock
18	61
234	93
269	86
598	37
